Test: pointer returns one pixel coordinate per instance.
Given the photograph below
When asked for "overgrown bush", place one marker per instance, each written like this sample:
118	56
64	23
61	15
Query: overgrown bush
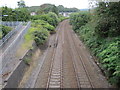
49	28
51	18
79	19
44	24
110	61
41	36
38	34
5	30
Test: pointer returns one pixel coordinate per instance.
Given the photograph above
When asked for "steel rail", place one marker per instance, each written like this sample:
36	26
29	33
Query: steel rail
81	60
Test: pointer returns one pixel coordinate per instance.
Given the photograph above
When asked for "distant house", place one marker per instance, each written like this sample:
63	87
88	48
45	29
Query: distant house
32	13
65	14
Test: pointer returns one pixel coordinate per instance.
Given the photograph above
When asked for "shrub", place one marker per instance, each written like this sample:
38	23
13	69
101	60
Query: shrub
40	36
110	62
37	33
44	24
79	19
50	17
49	27
5	30
53	19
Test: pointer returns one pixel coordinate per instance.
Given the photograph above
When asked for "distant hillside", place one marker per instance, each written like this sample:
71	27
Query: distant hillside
61	8
44	8
34	8
47	7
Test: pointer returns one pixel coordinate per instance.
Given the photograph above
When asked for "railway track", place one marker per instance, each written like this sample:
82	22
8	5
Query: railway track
82	75
55	72
54	76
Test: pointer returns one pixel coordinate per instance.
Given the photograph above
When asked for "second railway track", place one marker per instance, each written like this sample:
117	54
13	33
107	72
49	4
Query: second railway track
82	75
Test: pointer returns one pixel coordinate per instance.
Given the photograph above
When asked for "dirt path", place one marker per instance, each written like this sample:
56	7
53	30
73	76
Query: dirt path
67	63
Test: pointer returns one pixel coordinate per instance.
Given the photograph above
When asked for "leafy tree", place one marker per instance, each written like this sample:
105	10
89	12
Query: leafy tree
108	23
79	19
22	14
46	8
51	18
18	14
7	14
61	8
21	4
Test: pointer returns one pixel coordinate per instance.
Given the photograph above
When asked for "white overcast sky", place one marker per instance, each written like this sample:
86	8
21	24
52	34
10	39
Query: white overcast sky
81	4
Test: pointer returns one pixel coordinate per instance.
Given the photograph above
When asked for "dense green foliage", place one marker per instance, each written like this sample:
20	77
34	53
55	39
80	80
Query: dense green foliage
102	36
4	30
79	19
41	36
108	23
38	34
18	14
44	24
50	17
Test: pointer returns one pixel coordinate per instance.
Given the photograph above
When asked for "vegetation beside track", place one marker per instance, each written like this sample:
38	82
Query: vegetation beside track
42	26
99	30
4	30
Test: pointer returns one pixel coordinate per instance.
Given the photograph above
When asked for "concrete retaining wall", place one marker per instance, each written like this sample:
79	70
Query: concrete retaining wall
16	76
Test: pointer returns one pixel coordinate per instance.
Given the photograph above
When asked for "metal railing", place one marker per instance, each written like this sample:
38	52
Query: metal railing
5	23
4	39
8	56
